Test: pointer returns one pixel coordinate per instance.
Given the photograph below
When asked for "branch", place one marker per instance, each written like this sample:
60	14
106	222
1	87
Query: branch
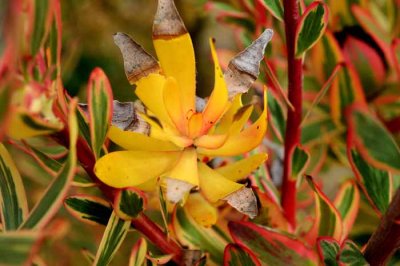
386	239
293	133
143	224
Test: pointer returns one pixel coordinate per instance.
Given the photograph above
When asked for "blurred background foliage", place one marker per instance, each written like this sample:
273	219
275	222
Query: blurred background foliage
88	27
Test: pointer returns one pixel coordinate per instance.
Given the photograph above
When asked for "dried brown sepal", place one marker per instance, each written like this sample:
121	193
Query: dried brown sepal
137	62
191	257
167	21
244	68
126	117
244	201
177	189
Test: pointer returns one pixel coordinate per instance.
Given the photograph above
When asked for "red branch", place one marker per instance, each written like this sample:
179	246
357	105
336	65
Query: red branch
143	224
293	133
386	239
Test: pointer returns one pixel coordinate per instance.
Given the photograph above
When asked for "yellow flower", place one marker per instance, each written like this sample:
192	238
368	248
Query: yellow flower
169	139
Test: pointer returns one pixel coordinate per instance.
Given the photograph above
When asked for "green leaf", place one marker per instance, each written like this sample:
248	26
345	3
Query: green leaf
347	202
327	218
83	181
311	27
278	119
299	162
129	203
274	7
13	203
113	237
270	246
351	255
49	164
328	249
89	209
311	131
374	141
4	104
55	193
83	123
100	103
138	254
39	26
376	182
194	236
163	209
235	255
16	247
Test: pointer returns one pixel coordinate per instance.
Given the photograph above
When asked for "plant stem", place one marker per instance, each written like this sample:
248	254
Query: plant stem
386	239
143	224
293	133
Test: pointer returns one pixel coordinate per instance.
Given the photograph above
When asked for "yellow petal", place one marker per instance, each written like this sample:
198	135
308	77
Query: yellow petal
201	210
177	60
173	105
244	141
217	104
135	141
240	119
226	121
210	141
150	91
195	125
149	185
186	167
213	185
241	169
131	168
167	133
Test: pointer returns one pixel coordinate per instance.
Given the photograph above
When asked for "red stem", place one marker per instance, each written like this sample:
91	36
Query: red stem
143	224
386	239
293	133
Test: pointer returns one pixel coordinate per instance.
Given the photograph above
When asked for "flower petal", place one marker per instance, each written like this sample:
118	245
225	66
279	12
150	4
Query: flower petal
210	141
150	91
195	125
174	105
226	120
244	141
213	185
186	167
241	169
201	210
131	168
218	102
136	141
175	51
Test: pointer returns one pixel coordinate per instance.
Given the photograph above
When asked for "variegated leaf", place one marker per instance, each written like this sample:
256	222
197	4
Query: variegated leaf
89	209
129	203
138	254
100	104
53	197
113	236
271	247
13	202
195	236
311	27
240	256
16	248
327	218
